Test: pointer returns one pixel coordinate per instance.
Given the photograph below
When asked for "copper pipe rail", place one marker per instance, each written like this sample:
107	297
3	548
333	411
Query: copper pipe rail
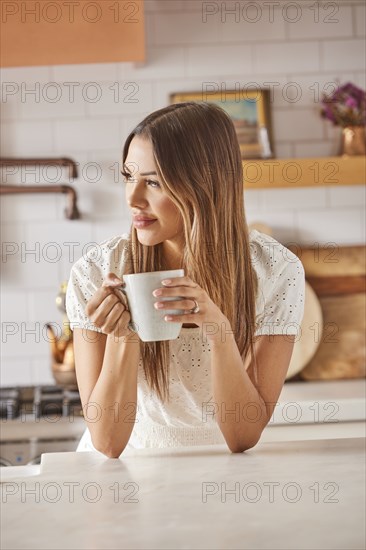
71	210
64	161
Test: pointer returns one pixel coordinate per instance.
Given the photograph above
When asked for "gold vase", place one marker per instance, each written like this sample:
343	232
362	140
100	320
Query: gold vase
353	141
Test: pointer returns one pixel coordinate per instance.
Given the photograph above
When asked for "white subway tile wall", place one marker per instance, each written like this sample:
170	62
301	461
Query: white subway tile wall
298	49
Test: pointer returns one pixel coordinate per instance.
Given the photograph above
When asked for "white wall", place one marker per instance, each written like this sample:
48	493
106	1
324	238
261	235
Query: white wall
184	51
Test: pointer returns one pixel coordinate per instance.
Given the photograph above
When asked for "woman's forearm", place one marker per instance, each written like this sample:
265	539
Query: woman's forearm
111	410
238	407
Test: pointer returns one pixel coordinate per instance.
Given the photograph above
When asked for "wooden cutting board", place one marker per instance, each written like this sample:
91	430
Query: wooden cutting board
341	353
332	269
337	275
330	259
306	345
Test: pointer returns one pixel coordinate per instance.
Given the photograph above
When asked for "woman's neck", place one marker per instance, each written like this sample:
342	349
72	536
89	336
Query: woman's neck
172	256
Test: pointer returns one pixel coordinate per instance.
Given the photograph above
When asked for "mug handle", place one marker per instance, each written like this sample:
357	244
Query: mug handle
125	302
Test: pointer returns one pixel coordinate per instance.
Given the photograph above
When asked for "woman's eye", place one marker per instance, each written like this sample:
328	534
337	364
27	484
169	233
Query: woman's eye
154	183
126	175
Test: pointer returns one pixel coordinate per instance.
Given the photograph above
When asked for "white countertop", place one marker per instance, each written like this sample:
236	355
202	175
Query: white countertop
320	401
294	495
321	409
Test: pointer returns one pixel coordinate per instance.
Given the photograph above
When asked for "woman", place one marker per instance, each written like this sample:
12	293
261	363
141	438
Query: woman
243	298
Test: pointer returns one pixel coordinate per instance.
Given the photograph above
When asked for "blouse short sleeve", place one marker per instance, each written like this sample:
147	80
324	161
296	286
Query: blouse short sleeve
281	295
87	275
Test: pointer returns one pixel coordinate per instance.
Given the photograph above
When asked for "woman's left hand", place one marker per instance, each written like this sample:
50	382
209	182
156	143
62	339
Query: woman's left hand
209	317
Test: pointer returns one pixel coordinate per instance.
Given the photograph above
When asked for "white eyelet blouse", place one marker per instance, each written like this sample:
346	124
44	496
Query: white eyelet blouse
188	418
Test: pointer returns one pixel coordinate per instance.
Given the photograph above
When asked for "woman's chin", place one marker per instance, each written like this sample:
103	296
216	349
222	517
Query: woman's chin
147	240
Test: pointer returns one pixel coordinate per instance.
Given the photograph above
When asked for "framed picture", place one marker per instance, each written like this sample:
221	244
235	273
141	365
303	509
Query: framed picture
250	113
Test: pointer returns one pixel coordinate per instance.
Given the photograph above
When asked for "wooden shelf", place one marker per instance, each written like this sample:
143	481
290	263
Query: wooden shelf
304	172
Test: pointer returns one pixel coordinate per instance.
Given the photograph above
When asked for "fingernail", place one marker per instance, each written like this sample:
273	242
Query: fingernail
166	282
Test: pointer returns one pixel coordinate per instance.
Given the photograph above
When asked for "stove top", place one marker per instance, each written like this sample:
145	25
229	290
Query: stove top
38	402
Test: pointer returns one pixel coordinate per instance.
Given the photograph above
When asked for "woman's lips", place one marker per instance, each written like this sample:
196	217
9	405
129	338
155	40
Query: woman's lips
143	223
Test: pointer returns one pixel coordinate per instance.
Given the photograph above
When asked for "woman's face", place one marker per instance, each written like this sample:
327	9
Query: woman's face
145	197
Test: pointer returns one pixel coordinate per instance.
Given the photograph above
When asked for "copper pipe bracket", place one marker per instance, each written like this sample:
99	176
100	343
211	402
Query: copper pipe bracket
71	210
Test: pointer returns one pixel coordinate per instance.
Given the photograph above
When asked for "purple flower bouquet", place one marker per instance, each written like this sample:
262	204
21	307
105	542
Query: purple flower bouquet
346	106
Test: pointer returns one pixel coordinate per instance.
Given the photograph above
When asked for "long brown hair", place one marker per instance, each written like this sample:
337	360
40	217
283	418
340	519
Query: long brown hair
198	160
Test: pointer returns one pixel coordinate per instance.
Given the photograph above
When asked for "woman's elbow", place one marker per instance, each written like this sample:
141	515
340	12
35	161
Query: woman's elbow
112	453
241	446
108	450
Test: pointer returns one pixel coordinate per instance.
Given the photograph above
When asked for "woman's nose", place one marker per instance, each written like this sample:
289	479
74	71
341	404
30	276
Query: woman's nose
136	198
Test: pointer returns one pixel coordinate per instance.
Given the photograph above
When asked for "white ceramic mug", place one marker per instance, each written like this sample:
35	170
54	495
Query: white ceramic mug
148	322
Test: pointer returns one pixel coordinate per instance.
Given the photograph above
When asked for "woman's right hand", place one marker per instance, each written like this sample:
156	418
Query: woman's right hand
108	308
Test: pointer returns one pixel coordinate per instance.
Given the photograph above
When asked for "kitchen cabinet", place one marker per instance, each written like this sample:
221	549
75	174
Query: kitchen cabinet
304	172
62	33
